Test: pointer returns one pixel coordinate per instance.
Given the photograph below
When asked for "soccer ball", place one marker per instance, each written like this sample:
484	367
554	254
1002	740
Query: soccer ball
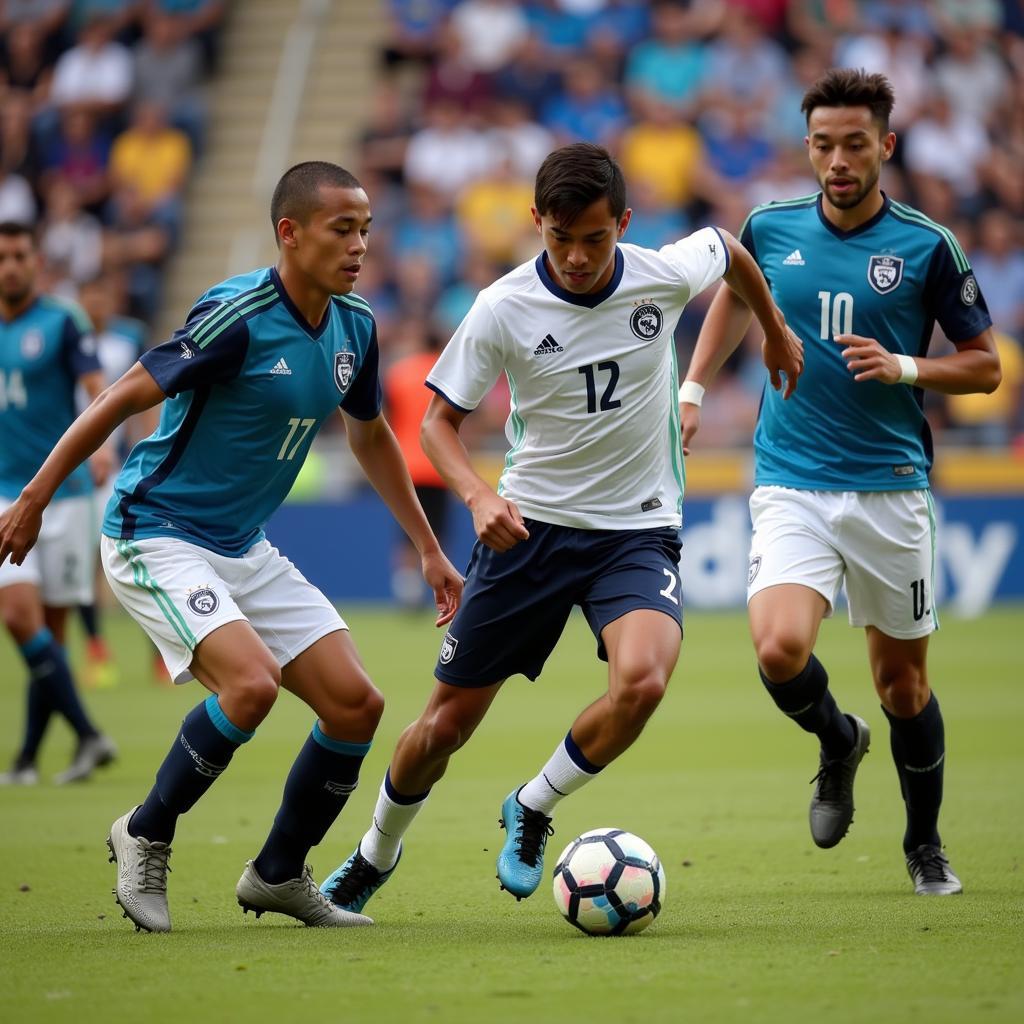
609	882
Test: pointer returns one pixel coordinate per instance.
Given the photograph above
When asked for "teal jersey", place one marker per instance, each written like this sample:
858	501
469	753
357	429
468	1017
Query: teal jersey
890	279
43	352
248	384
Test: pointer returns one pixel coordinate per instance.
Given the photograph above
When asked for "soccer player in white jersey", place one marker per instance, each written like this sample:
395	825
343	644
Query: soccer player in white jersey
588	508
261	362
841	473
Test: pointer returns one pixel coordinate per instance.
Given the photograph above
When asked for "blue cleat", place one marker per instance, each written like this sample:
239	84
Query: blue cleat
521	861
352	885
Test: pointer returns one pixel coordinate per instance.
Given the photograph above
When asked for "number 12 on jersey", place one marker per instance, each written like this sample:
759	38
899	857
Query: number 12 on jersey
607	402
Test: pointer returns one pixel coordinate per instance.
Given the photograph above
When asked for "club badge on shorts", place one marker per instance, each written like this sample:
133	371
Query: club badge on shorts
203	601
448	646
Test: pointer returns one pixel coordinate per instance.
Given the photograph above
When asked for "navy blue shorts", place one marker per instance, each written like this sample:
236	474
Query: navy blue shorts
517	603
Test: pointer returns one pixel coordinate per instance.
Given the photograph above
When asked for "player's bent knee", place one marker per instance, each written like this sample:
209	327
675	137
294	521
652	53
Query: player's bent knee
903	691
443	733
635	703
781	657
252	695
359	712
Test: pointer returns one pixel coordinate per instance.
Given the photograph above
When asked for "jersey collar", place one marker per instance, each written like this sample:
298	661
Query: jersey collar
590	301
860	229
313	332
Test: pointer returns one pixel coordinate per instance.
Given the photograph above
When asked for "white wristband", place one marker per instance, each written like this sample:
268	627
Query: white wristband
691	392
908	369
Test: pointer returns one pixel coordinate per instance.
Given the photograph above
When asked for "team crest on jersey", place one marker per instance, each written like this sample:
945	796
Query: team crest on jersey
646	321
448	646
203	601
753	569
31	344
885	273
344	364
969	291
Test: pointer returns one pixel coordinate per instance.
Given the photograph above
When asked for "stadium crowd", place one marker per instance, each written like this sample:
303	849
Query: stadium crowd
102	118
700	101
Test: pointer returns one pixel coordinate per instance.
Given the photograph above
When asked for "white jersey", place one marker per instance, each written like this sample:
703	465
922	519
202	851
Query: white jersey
594	424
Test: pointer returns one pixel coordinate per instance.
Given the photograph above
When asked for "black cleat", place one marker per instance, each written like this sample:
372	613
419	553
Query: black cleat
930	871
831	811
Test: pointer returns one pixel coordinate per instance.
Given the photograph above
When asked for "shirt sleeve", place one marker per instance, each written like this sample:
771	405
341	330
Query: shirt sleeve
364	399
952	295
470	363
701	259
183	365
78	345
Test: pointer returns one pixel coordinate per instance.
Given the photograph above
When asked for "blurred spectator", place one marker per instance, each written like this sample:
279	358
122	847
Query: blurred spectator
815	24
388	129
414	30
427	230
998	264
512	132
17	203
996	418
169	71
24	68
96	73
972	75
71	240
788	176
47	17
137	241
955	15
475	274
493	214
17	150
447	153
564	26
653	224
737	148
152	158
671	64
745	63
453	78
588	108
194	19
529	76
79	155
489	31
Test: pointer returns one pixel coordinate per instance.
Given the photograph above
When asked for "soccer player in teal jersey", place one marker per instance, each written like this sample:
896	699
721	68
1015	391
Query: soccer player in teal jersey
841	470
262	360
46	348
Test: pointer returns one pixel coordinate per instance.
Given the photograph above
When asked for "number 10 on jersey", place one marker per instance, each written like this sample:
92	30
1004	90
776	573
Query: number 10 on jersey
837	312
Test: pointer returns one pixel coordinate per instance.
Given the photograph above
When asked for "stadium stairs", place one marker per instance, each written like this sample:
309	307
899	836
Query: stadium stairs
294	81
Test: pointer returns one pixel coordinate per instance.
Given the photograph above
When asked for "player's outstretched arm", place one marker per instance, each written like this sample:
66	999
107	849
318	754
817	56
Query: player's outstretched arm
972	368
497	521
374	445
782	350
19	525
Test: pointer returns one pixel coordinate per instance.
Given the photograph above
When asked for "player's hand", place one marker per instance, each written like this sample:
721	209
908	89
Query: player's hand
783	353
446	582
689	417
19	530
497	522
866	359
101	465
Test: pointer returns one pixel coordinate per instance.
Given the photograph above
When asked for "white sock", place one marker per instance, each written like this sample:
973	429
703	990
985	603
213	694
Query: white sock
566	771
391	819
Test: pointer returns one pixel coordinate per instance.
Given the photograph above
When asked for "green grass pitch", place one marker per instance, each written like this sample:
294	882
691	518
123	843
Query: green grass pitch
758	925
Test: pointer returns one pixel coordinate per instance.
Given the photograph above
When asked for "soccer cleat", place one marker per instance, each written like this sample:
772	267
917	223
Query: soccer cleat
142	870
93	752
931	873
831	810
298	898
352	885
521	861
20	775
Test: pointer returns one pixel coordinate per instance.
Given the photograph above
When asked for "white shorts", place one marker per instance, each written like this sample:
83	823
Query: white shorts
881	543
180	593
63	560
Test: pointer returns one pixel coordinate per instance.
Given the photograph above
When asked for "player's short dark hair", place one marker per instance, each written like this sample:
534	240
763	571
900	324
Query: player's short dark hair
852	87
16	229
574	177
297	194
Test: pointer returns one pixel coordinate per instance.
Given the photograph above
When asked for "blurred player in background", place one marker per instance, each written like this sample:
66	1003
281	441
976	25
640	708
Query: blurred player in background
120	340
406	401
588	508
841	478
46	349
263	359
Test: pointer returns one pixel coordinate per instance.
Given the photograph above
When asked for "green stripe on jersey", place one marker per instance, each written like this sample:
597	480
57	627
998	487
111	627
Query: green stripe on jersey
518	426
908	213
224	312
254	306
780	204
675	429
74	311
356	301
931	525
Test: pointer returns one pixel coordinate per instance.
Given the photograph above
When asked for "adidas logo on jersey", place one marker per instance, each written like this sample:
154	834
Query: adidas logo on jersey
794	259
281	368
548	347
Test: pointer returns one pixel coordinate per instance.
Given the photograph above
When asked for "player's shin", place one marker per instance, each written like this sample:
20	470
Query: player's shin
201	751
392	816
318	786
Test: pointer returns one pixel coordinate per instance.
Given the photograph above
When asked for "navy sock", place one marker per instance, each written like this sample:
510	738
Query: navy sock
806	699
201	751
39	710
323	776
919	750
90	616
48	666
